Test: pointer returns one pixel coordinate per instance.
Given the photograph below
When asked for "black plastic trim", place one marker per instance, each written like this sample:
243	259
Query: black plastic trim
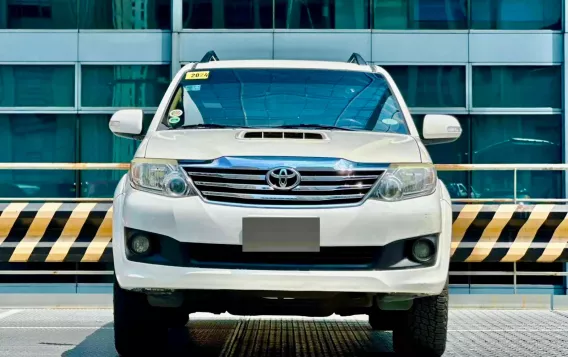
171	252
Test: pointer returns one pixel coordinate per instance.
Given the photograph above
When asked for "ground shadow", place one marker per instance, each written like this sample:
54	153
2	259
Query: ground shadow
256	337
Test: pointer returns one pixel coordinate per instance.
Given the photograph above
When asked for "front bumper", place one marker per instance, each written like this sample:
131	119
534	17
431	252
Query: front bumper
371	224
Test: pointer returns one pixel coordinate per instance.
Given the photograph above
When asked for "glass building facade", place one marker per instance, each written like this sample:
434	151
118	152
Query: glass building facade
497	65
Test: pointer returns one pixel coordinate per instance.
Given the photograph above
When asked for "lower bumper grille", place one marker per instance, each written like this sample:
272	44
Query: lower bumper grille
232	257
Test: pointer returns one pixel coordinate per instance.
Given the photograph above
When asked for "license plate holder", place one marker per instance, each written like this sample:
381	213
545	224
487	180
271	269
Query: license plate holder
281	234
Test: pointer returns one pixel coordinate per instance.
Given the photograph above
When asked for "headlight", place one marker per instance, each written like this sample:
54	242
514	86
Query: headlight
403	182
163	177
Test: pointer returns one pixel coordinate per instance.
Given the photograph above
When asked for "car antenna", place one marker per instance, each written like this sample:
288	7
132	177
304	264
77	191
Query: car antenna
357	58
210	56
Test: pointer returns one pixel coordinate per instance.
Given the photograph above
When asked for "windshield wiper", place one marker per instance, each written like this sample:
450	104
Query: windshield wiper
209	126
317	126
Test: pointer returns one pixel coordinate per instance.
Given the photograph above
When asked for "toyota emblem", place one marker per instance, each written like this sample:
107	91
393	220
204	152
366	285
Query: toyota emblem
283	178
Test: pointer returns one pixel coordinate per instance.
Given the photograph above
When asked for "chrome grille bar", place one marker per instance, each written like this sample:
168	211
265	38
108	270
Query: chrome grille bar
246	196
240	186
228	176
246	181
339	178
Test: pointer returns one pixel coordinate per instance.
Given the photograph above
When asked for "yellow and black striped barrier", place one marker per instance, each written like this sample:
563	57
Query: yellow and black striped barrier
82	232
55	232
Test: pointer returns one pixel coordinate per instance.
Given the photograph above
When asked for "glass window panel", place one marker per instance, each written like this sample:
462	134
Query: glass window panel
516	14
125	14
227	14
98	144
37	138
430	86
52	15
420	14
123	86
37	86
322	14
518	139
517	87
456	152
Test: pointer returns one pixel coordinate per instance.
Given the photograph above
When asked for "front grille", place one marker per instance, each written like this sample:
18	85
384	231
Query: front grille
250	186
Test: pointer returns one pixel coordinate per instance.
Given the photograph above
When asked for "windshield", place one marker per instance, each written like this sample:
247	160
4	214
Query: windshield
289	98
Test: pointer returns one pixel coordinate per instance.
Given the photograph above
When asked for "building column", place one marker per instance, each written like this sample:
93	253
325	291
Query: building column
177	27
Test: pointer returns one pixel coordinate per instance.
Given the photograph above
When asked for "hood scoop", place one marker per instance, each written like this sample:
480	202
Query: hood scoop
275	135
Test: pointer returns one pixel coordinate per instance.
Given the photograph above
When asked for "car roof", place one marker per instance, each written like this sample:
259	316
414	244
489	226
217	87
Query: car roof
291	64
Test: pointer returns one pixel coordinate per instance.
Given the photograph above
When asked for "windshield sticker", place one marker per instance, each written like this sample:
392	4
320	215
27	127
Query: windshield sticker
390	121
174	120
193	88
197	75
176	113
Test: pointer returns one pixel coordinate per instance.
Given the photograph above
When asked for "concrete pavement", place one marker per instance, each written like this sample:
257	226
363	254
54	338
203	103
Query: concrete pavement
89	332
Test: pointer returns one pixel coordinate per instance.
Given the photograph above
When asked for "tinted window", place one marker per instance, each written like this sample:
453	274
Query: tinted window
322	14
37	86
37	138
125	15
123	86
227	14
516	139
55	15
423	14
516	14
517	86
430	86
283	97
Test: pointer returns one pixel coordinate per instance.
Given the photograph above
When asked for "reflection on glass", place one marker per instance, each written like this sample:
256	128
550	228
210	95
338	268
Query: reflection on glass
56	15
516	14
457	152
517	86
37	138
124	85
124	14
322	14
430	86
519	139
37	86
227	14
98	144
287	98
420	14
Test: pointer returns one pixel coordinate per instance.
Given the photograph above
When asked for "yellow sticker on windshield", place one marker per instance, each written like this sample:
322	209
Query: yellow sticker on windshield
197	75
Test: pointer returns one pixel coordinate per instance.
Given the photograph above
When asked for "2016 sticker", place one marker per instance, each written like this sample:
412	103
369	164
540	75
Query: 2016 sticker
197	75
176	113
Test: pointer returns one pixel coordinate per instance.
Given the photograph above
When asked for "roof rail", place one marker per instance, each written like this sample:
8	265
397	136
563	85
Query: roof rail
357	58
209	56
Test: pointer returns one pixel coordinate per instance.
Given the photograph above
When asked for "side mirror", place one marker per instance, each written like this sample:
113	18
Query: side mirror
127	123
440	129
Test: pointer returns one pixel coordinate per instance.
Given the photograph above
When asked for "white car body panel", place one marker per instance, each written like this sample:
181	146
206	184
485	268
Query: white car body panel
207	144
373	222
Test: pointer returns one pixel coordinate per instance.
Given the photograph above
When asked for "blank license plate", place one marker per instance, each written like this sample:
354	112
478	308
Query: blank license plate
281	234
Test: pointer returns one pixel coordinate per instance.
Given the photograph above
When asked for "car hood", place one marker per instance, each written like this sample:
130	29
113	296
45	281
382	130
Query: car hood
209	144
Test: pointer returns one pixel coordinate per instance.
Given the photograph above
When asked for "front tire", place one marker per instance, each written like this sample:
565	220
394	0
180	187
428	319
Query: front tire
422	330
139	328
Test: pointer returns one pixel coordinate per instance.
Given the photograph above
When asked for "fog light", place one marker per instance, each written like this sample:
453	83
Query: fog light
140	244
423	250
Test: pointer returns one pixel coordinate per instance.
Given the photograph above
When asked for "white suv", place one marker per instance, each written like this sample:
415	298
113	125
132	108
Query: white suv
282	188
